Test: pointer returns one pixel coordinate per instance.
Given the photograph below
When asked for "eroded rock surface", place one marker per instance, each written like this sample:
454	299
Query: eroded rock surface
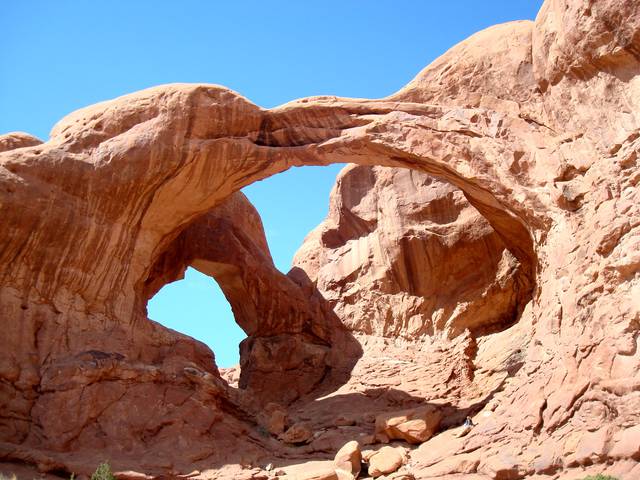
13	140
405	255
386	460
289	331
535	122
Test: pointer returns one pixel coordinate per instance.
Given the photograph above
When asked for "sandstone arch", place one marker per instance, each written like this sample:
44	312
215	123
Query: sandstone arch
171	154
294	339
547	153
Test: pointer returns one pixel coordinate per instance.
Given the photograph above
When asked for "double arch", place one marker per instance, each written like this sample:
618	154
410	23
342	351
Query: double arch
193	147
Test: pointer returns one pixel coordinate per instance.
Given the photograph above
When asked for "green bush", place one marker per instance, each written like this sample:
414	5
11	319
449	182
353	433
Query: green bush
103	472
599	476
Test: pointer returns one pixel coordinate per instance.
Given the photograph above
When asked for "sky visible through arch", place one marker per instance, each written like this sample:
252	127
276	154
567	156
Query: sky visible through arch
56	57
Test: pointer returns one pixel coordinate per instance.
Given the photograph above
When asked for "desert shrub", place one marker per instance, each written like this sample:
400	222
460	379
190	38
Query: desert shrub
103	472
600	476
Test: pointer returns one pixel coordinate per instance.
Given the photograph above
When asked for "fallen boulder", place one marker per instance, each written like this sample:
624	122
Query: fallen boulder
349	458
384	461
414	426
297	433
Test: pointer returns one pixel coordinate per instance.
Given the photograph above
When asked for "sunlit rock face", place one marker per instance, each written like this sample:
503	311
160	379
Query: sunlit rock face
535	122
10	141
403	254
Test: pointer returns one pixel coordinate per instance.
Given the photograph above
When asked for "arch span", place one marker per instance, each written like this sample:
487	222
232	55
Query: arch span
215	142
143	176
185	148
294	339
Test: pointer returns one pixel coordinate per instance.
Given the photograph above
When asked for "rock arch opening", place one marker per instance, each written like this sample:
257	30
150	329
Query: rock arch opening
402	255
291	204
196	306
292	334
114	204
180	206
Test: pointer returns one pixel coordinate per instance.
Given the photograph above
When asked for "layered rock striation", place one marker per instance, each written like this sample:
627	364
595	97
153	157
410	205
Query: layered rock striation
405	255
534	122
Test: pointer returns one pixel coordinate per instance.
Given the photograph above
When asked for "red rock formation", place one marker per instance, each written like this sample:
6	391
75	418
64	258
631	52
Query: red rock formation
289	332
405	255
534	121
11	141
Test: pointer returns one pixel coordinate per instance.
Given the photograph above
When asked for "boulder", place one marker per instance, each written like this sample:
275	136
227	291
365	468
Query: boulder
384	461
314	470
297	433
344	421
349	458
414	425
275	418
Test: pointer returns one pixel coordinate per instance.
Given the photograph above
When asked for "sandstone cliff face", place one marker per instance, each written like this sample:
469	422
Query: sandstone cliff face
405	255
535	122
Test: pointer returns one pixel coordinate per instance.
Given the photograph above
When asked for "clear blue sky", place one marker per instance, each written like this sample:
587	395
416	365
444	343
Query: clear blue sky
57	56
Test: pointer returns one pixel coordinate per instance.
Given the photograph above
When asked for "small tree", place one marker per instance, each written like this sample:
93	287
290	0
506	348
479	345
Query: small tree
103	472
